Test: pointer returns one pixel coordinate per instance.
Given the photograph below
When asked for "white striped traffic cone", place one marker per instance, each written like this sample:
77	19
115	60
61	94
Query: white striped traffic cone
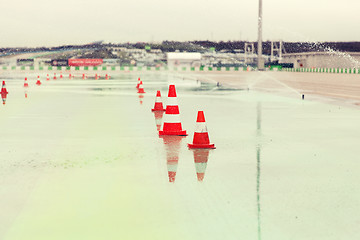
201	136
26	83
3	88
141	88
158	103
47	77
138	84
172	123
38	81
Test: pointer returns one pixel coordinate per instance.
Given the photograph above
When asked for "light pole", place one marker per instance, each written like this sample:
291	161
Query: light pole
260	61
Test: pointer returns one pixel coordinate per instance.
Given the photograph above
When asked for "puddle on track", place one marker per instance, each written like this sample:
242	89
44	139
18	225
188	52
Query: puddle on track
81	159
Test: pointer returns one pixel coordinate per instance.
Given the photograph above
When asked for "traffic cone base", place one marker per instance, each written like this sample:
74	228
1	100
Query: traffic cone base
192	146
173	129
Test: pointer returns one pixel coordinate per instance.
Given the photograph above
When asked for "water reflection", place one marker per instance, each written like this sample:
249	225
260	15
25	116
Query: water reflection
201	157
141	96
172	148
26	93
4	96
158	119
258	157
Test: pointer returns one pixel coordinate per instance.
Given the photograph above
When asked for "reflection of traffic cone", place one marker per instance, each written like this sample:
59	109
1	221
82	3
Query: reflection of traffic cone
141	98
141	88
158	103
26	93
158	119
201	137
38	81
54	76
172	148
3	96
47	77
138	84
201	158
3	88
26	83
172	123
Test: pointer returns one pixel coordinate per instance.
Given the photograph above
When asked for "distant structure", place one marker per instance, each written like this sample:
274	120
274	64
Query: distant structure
249	53
277	49
329	59
183	59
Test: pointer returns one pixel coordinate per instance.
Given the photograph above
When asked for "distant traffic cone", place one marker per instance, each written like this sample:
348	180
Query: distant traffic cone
201	137
38	81
158	119
47	77
172	123
61	75
54	76
83	77
138	84
3	88
26	83
141	88
70	76
201	158
96	77
158	103
106	77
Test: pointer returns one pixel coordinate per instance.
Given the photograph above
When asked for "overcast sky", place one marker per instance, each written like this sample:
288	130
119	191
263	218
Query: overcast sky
51	23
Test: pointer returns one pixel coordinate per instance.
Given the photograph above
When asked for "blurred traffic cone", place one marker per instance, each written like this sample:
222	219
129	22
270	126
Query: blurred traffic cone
138	84
106	77
70	76
96	76
172	123
26	93
38	81
61	75
26	83
201	158
158	119
141	88
201	137
83	77
47	77
3	88
158	103
54	76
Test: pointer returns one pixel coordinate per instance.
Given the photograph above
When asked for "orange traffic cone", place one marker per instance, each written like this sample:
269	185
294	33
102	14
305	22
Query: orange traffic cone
158	103
47	77
54	76
3	88
26	83
172	123
138	84
38	81
60	75
141	88
201	137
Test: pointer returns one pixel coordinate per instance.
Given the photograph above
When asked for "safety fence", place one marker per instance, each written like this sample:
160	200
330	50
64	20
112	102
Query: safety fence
324	70
193	69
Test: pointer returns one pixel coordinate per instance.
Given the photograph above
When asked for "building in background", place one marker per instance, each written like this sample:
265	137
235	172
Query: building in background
183	59
331	59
